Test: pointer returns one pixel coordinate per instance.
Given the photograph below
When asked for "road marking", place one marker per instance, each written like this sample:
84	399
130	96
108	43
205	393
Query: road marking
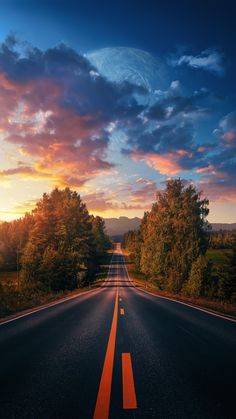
104	393
190	305
122	312
129	396
44	307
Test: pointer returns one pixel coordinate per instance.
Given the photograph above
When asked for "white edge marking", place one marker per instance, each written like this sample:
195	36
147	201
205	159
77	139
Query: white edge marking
47	306
130	280
190	305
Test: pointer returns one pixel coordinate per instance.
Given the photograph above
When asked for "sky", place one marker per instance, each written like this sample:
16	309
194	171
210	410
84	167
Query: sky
113	98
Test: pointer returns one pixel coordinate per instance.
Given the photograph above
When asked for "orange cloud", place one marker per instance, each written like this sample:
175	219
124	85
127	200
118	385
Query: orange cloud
230	136
68	148
167	164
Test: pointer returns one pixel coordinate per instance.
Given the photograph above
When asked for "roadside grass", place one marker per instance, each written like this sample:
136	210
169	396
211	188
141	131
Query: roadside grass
218	256
13	300
214	305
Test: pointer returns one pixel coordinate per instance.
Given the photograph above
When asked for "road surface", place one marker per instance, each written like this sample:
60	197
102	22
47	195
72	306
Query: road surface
119	352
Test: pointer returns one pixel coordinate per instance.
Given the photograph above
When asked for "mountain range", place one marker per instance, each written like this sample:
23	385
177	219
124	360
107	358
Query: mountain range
119	226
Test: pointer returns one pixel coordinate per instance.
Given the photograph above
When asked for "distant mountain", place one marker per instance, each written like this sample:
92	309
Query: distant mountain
223	226
119	226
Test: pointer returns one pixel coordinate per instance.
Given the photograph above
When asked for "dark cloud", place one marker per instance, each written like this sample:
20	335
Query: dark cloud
174	104
219	167
56	107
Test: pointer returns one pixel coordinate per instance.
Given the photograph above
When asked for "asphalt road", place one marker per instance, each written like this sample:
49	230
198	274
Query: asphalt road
121	352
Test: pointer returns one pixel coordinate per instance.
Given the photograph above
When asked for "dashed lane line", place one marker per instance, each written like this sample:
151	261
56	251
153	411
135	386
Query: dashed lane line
129	394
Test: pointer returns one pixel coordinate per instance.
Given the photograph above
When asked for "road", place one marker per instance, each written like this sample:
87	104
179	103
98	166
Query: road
119	352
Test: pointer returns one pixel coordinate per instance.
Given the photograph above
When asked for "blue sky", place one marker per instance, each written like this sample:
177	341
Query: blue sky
143	91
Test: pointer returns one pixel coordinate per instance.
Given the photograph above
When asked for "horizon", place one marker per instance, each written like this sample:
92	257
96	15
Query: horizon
113	114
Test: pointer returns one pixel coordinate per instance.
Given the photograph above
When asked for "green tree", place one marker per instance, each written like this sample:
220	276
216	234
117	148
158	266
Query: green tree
174	235
61	245
199	282
131	241
227	276
102	241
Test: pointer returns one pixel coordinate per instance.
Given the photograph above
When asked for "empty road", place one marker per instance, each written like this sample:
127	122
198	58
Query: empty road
118	352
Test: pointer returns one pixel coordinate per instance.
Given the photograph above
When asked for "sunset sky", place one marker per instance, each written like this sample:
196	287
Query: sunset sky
111	98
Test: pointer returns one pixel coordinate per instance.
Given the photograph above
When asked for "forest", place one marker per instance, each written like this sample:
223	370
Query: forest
58	246
172	246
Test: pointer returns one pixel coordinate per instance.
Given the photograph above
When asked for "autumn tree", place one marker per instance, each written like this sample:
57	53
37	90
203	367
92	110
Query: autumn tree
60	253
13	238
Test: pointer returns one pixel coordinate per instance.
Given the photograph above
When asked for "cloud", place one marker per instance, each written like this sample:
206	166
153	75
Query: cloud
165	164
219	171
102	202
169	149
98	201
164	135
173	104
209	60
146	194
55	107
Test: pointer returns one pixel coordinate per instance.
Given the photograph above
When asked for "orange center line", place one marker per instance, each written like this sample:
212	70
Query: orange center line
104	393
129	395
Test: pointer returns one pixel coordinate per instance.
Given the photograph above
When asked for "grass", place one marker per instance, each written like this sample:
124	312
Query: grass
13	300
216	255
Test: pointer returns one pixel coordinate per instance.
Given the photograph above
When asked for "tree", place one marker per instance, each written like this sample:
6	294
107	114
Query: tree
13	238
61	246
131	241
102	241
227	276
174	235
199	282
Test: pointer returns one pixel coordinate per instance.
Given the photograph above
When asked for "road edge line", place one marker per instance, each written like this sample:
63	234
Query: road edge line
44	307
189	305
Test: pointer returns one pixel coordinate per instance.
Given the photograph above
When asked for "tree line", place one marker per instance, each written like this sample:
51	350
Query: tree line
221	239
58	246
170	246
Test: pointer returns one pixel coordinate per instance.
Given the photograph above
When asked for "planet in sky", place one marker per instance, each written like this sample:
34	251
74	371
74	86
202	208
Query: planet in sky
119	64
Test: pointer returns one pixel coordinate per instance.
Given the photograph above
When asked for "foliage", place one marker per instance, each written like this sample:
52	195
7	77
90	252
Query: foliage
227	276
221	239
60	246
102	241
174	235
132	242
13	238
199	281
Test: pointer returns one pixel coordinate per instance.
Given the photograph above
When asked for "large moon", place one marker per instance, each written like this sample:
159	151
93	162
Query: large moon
119	64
